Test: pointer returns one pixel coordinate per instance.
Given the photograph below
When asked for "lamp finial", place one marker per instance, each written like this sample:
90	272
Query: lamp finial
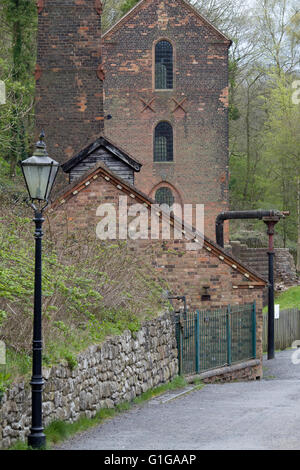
41	145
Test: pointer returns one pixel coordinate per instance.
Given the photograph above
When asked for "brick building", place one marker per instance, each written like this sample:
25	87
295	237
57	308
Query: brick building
164	70
166	89
69	87
203	272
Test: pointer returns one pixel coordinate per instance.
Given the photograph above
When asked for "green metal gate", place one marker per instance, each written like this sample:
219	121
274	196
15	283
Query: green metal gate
208	339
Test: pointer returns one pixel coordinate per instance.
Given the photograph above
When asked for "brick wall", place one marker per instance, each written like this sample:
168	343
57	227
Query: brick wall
199	172
69	93
186	271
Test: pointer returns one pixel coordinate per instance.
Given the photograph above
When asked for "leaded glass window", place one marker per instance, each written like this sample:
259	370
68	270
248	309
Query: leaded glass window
163	65
163	142
164	195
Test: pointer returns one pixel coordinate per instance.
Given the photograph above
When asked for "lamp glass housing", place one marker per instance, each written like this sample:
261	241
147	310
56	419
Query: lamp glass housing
39	174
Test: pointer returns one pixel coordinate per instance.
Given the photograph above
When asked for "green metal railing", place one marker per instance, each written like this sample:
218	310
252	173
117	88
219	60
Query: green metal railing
208	339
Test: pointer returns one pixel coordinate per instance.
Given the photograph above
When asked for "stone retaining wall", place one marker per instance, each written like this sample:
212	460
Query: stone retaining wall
118	370
257	259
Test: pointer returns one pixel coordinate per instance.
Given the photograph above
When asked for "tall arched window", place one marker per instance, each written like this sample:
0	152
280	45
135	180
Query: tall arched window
164	195
163	65
163	142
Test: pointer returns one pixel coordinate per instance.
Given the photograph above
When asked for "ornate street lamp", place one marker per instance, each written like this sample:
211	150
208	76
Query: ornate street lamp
39	172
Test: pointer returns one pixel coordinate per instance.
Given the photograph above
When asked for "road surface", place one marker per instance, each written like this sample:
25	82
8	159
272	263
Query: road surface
262	414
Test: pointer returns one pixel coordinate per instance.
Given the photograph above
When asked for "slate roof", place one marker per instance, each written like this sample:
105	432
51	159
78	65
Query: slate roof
108	145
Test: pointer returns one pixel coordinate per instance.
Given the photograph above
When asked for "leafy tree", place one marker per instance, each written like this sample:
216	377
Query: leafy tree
127	5
234	113
17	60
294	27
111	13
281	152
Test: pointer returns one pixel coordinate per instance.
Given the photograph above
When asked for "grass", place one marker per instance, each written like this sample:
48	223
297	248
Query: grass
198	383
288	299
58	431
177	383
18	364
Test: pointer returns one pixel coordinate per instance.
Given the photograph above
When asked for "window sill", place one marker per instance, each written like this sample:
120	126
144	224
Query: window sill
163	90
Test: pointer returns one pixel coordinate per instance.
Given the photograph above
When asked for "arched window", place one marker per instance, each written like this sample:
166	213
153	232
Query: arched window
163	65
163	142
164	195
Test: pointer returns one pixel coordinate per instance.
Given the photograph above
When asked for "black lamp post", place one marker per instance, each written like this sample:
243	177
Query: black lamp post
271	222
39	172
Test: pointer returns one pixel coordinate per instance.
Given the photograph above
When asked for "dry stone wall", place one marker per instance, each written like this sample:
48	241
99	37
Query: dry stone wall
257	259
115	371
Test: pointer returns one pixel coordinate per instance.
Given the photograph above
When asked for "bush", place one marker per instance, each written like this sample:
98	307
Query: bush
91	289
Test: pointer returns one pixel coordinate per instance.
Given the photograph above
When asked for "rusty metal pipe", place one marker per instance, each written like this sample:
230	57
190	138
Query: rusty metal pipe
252	214
270	218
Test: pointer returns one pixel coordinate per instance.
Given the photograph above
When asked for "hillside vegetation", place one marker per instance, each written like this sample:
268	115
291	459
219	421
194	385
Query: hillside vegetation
91	289
288	299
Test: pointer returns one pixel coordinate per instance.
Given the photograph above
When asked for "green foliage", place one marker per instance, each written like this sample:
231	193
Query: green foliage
18	363
237	177
58	431
288	299
91	290
281	135
20	445
5	380
21	17
234	113
17	61
198	382
3	316
71	360
294	28
267	174
177	383
127	5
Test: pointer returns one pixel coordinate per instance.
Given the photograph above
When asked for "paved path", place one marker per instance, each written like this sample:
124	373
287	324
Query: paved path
241	415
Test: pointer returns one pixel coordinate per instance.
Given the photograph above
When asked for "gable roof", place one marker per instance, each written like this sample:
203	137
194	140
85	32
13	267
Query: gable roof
108	145
101	170
185	4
